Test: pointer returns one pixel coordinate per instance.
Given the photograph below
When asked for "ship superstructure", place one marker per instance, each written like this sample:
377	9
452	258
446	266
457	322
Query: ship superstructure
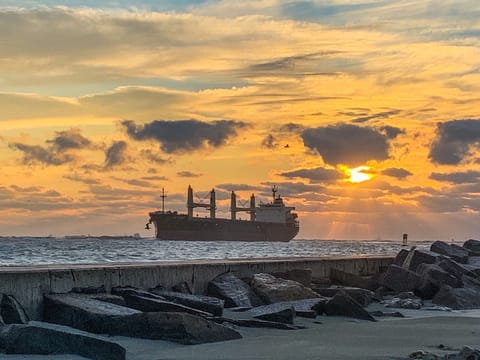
268	222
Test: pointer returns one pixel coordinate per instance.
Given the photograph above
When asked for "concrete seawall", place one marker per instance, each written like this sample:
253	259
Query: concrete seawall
29	284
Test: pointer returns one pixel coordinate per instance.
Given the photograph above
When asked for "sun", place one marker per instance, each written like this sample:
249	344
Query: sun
358	174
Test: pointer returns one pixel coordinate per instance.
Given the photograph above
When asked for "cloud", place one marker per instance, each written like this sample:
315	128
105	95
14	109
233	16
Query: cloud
69	139
35	153
269	142
318	174
154	157
116	154
380	115
347	144
398	173
184	135
454	141
58	151
188	174
457	177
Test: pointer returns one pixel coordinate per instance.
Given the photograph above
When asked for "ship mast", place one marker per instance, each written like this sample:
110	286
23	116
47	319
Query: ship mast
163	196
274	191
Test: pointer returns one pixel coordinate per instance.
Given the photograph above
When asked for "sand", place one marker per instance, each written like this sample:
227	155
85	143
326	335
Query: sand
324	338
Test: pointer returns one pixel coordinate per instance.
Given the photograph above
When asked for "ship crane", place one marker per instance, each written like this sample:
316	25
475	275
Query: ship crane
192	205
234	208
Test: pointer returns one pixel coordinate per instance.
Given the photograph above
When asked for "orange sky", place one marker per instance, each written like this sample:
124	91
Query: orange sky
102	107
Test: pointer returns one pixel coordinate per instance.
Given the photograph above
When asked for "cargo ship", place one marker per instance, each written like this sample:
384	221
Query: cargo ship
272	221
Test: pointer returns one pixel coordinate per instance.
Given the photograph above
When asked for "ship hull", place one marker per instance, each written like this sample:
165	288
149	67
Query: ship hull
182	227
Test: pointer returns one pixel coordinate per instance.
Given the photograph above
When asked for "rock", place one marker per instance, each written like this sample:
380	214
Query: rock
454	268
90	290
303	276
200	302
271	289
256	323
283	313
473	246
343	305
347	279
474	265
423	355
403	303
362	296
458	298
128	290
182	287
455	252
114	299
45	339
400	279
11	311
99	317
308	308
235	292
401	256
468	353
416	257
146	304
431	278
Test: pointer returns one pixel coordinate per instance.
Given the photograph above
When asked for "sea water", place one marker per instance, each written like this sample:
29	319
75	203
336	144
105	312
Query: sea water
27	251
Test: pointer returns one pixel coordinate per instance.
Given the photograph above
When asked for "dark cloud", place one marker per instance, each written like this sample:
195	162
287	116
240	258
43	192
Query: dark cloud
291	128
82	179
347	144
380	115
58	151
35	153
458	177
454	140
318	174
69	139
398	173
269	142
391	131
188	174
238	187
154	157
184	135
116	154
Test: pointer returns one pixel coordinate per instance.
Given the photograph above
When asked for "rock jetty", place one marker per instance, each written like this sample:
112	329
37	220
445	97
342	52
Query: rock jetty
83	320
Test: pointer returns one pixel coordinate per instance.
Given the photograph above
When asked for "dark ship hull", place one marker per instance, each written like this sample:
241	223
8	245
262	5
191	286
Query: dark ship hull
171	226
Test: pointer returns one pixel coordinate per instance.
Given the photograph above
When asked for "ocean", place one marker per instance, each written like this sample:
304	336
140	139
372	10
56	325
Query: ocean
28	251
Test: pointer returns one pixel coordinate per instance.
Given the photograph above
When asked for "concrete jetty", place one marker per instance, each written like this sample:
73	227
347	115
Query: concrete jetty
29	284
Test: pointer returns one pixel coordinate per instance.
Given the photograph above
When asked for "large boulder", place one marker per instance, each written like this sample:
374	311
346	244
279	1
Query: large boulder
399	279
453	251
362	296
256	323
201	302
46	339
100	317
454	268
417	256
271	289
341	277
344	305
467	297
303	276
431	278
400	257
235	292
283	313
147	304
473	246
308	308
11	311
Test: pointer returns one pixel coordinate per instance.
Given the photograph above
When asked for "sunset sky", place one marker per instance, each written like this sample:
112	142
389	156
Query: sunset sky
364	113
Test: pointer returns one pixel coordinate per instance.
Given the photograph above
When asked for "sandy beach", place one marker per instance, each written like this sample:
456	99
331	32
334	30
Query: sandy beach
324	338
